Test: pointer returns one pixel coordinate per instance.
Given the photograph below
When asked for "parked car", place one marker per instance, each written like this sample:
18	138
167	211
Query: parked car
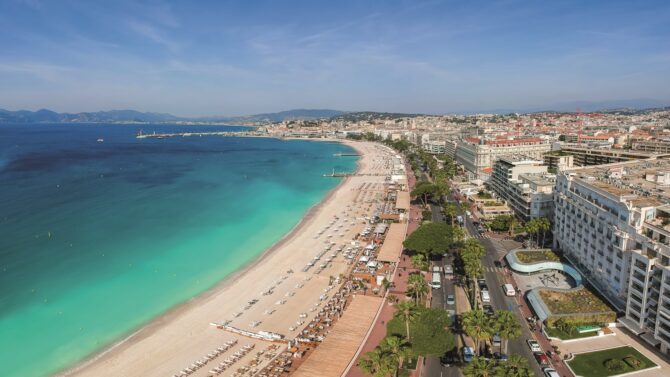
509	290
534	345
450	300
448	359
541	359
495	341
488	309
499	356
485	296
550	372
497	263
468	354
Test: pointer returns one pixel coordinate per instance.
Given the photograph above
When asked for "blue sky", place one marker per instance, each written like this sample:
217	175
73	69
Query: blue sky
242	57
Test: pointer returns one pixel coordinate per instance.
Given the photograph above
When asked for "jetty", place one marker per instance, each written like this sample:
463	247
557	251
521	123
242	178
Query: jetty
347	155
155	135
337	174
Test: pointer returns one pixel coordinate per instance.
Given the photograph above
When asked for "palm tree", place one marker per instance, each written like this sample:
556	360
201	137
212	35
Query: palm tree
512	224
408	311
419	262
386	284
482	367
376	363
478	325
517	366
398	348
544	226
531	228
507	326
417	287
451	210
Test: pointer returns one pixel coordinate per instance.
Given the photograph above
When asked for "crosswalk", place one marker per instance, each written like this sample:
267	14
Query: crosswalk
494	269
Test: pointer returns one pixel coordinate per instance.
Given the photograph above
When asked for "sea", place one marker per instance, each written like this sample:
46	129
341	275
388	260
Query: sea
100	232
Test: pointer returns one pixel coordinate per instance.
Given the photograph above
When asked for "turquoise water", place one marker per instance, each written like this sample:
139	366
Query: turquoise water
96	239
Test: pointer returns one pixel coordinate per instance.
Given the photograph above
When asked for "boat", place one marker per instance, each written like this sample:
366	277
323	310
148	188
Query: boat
101	140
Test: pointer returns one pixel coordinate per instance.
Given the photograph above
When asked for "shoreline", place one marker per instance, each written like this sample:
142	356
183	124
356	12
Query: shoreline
151	327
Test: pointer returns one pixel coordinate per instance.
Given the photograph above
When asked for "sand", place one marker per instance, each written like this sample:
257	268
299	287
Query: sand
184	335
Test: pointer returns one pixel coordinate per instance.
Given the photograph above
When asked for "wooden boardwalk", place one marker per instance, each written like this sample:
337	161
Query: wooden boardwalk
332	357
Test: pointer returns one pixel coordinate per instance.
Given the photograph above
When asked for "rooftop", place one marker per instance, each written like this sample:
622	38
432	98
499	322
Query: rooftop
644	183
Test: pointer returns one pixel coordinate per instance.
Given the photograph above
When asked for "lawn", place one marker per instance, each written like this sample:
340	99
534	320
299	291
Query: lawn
536	256
560	334
570	302
592	364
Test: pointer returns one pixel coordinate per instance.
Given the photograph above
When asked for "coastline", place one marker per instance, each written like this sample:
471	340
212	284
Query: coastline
159	323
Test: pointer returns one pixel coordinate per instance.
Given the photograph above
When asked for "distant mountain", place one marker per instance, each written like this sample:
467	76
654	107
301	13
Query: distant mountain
303	114
120	116
113	116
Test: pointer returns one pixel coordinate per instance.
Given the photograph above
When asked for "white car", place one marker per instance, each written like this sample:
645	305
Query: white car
534	345
550	372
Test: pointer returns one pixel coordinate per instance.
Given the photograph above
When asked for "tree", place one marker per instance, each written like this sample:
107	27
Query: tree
451	210
406	310
430	329
516	366
419	262
377	363
507	327
430	239
531	228
482	367
424	190
417	287
471	256
478	325
386	284
398	348
543	225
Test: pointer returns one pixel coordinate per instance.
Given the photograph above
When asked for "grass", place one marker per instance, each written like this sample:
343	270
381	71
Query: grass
570	302
592	364
560	334
536	256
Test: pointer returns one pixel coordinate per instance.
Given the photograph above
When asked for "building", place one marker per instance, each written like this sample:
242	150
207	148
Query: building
434	146
524	184
558	160
653	146
613	223
588	155
476	155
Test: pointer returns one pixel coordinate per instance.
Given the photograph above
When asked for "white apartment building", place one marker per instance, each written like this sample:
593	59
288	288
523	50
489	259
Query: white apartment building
613	222
524	184
434	146
478	155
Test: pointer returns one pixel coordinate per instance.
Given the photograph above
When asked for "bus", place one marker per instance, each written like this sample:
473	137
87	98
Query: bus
436	282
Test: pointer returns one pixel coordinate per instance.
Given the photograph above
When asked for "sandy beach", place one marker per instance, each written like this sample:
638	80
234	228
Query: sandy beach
279	293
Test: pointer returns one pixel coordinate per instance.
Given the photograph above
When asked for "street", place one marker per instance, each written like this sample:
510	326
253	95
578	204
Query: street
494	280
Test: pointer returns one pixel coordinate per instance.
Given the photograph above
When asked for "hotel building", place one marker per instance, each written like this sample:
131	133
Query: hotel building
613	223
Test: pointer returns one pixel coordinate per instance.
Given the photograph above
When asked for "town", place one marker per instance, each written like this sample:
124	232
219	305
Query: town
545	238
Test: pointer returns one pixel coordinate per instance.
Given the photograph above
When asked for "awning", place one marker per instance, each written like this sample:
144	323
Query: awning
392	247
402	200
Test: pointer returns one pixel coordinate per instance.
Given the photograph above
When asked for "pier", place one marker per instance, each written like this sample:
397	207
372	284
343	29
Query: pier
347	155
155	135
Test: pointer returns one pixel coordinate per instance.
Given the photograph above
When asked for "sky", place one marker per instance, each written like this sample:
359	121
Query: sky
201	58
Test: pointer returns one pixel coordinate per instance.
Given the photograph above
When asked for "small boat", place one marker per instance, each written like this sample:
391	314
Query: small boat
101	140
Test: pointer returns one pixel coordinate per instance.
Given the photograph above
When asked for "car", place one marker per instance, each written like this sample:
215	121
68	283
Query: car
499	356
450	300
488	309
534	345
448	359
541	359
550	372
468	354
485	296
495	341
497	263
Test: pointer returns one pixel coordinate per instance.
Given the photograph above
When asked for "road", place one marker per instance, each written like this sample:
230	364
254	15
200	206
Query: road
495	280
